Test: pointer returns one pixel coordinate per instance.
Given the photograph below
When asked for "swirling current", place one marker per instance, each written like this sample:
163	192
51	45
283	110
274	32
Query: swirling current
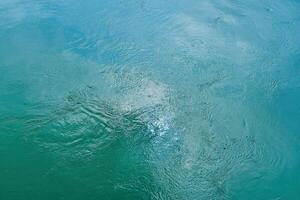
160	99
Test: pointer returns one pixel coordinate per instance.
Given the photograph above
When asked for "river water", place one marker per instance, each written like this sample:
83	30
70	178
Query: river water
160	99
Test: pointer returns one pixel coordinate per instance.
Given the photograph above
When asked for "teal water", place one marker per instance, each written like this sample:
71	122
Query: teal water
160	99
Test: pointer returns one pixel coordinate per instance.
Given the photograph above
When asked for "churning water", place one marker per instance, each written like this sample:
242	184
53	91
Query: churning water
149	99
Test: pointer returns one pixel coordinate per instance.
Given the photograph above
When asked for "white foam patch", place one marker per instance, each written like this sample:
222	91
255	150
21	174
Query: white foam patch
153	97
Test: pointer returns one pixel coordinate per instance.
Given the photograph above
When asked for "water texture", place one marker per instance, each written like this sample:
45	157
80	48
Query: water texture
160	99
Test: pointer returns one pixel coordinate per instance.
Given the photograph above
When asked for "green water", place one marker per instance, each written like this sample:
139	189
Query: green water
161	99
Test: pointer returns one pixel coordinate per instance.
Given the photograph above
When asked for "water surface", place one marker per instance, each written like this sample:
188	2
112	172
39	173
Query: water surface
195	99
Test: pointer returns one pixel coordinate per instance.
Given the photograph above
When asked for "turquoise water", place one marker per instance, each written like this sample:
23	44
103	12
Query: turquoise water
160	99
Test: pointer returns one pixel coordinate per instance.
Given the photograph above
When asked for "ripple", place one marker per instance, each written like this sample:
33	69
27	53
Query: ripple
84	123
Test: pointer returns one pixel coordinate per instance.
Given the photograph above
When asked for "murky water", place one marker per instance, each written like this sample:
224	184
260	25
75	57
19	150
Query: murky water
195	99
